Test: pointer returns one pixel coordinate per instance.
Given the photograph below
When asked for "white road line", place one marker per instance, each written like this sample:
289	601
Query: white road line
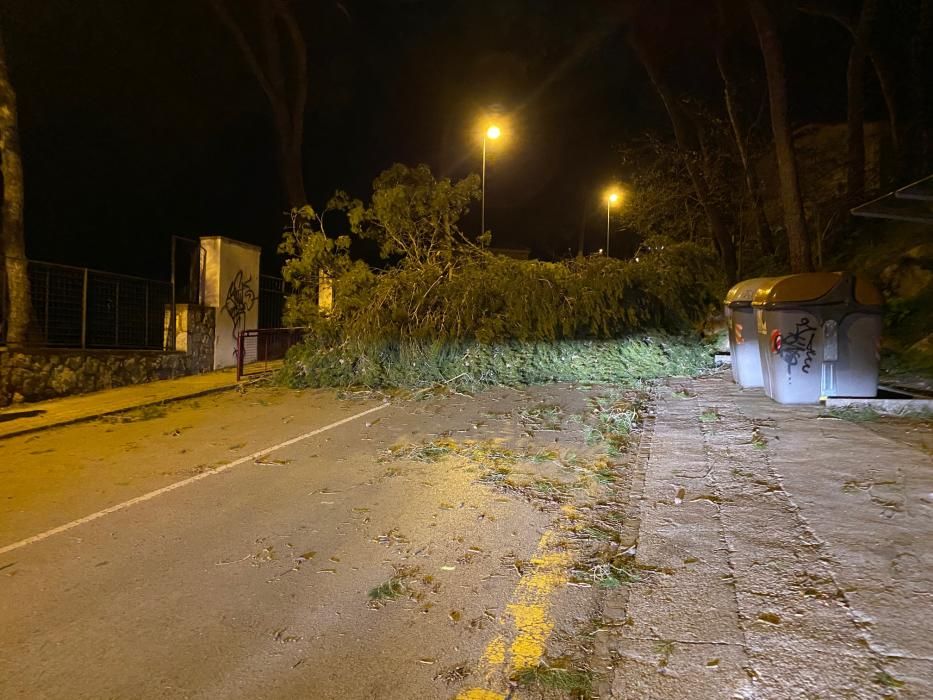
177	485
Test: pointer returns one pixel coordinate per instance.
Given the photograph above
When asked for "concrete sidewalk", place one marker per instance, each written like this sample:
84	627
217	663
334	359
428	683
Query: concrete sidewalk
26	418
783	554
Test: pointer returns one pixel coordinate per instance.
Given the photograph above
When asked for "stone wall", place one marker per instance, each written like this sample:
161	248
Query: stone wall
194	335
38	374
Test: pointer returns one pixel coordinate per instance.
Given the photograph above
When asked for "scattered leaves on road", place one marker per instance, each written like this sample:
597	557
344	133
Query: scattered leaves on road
885	679
264	459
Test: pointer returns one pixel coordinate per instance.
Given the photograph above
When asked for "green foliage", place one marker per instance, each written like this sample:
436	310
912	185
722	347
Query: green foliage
473	365
449	307
664	207
576	683
312	254
885	679
909	364
666	203
615	418
392	589
490	298
412	214
855	414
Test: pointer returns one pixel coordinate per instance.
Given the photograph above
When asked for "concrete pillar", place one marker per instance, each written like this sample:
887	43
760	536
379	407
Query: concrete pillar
325	292
230	283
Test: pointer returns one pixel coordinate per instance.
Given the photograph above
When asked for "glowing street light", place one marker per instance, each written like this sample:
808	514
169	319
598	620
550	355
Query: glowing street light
611	198
492	132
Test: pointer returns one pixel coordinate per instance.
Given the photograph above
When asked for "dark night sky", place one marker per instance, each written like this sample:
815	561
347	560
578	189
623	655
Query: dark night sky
140	120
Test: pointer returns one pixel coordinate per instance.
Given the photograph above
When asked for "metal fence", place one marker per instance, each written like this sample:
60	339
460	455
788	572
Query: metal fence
272	293
263	349
74	307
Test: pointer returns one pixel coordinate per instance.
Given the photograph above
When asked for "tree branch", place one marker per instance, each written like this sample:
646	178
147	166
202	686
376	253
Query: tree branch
300	51
248	54
272	50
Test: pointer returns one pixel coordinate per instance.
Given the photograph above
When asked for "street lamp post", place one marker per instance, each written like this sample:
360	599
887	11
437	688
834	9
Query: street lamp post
611	199
493	132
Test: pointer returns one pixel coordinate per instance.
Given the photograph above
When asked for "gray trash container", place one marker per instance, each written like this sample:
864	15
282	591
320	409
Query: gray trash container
818	336
743	338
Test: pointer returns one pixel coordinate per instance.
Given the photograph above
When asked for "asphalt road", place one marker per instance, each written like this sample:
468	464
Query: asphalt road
279	544
227	547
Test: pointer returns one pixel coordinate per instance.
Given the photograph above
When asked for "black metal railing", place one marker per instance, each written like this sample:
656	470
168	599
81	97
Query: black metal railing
75	307
272	291
263	349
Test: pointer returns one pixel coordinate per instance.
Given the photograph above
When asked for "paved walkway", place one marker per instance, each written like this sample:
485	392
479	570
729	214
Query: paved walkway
25	418
783	554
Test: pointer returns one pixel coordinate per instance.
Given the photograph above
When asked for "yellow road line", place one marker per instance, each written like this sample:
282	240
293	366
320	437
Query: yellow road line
530	611
480	694
527	623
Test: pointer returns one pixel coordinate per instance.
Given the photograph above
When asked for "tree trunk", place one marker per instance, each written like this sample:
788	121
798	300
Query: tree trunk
286	87
798	238
14	246
885	72
922	64
293	179
721	237
887	81
766	242
855	121
855	112
291	164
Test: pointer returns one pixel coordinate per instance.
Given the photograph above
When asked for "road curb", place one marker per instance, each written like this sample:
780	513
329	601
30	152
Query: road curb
17	432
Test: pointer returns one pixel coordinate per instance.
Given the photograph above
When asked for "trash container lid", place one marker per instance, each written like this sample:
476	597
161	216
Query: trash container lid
743	293
810	288
866	293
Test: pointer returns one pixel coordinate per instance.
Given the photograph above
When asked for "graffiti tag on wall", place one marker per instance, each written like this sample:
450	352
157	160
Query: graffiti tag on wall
796	347
240	299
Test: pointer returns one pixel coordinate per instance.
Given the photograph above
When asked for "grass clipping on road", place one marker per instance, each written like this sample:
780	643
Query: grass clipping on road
568	680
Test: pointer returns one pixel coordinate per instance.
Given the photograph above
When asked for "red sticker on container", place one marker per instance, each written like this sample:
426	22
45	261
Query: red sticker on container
775	341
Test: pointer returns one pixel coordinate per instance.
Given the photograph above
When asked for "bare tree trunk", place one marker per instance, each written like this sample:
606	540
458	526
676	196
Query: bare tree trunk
287	102
855	126
884	72
855	83
766	242
721	237
921	66
291	166
798	238
14	245
293	177
887	81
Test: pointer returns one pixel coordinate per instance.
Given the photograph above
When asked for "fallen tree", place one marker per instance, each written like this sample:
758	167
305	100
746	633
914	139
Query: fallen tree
447	306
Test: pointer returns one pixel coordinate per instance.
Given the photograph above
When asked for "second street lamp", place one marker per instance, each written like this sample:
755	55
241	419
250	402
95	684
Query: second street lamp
493	132
611	199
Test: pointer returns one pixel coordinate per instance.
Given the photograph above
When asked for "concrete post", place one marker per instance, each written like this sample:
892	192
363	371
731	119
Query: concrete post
230	284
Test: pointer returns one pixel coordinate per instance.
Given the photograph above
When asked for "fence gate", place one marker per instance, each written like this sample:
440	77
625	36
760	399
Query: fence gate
263	349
